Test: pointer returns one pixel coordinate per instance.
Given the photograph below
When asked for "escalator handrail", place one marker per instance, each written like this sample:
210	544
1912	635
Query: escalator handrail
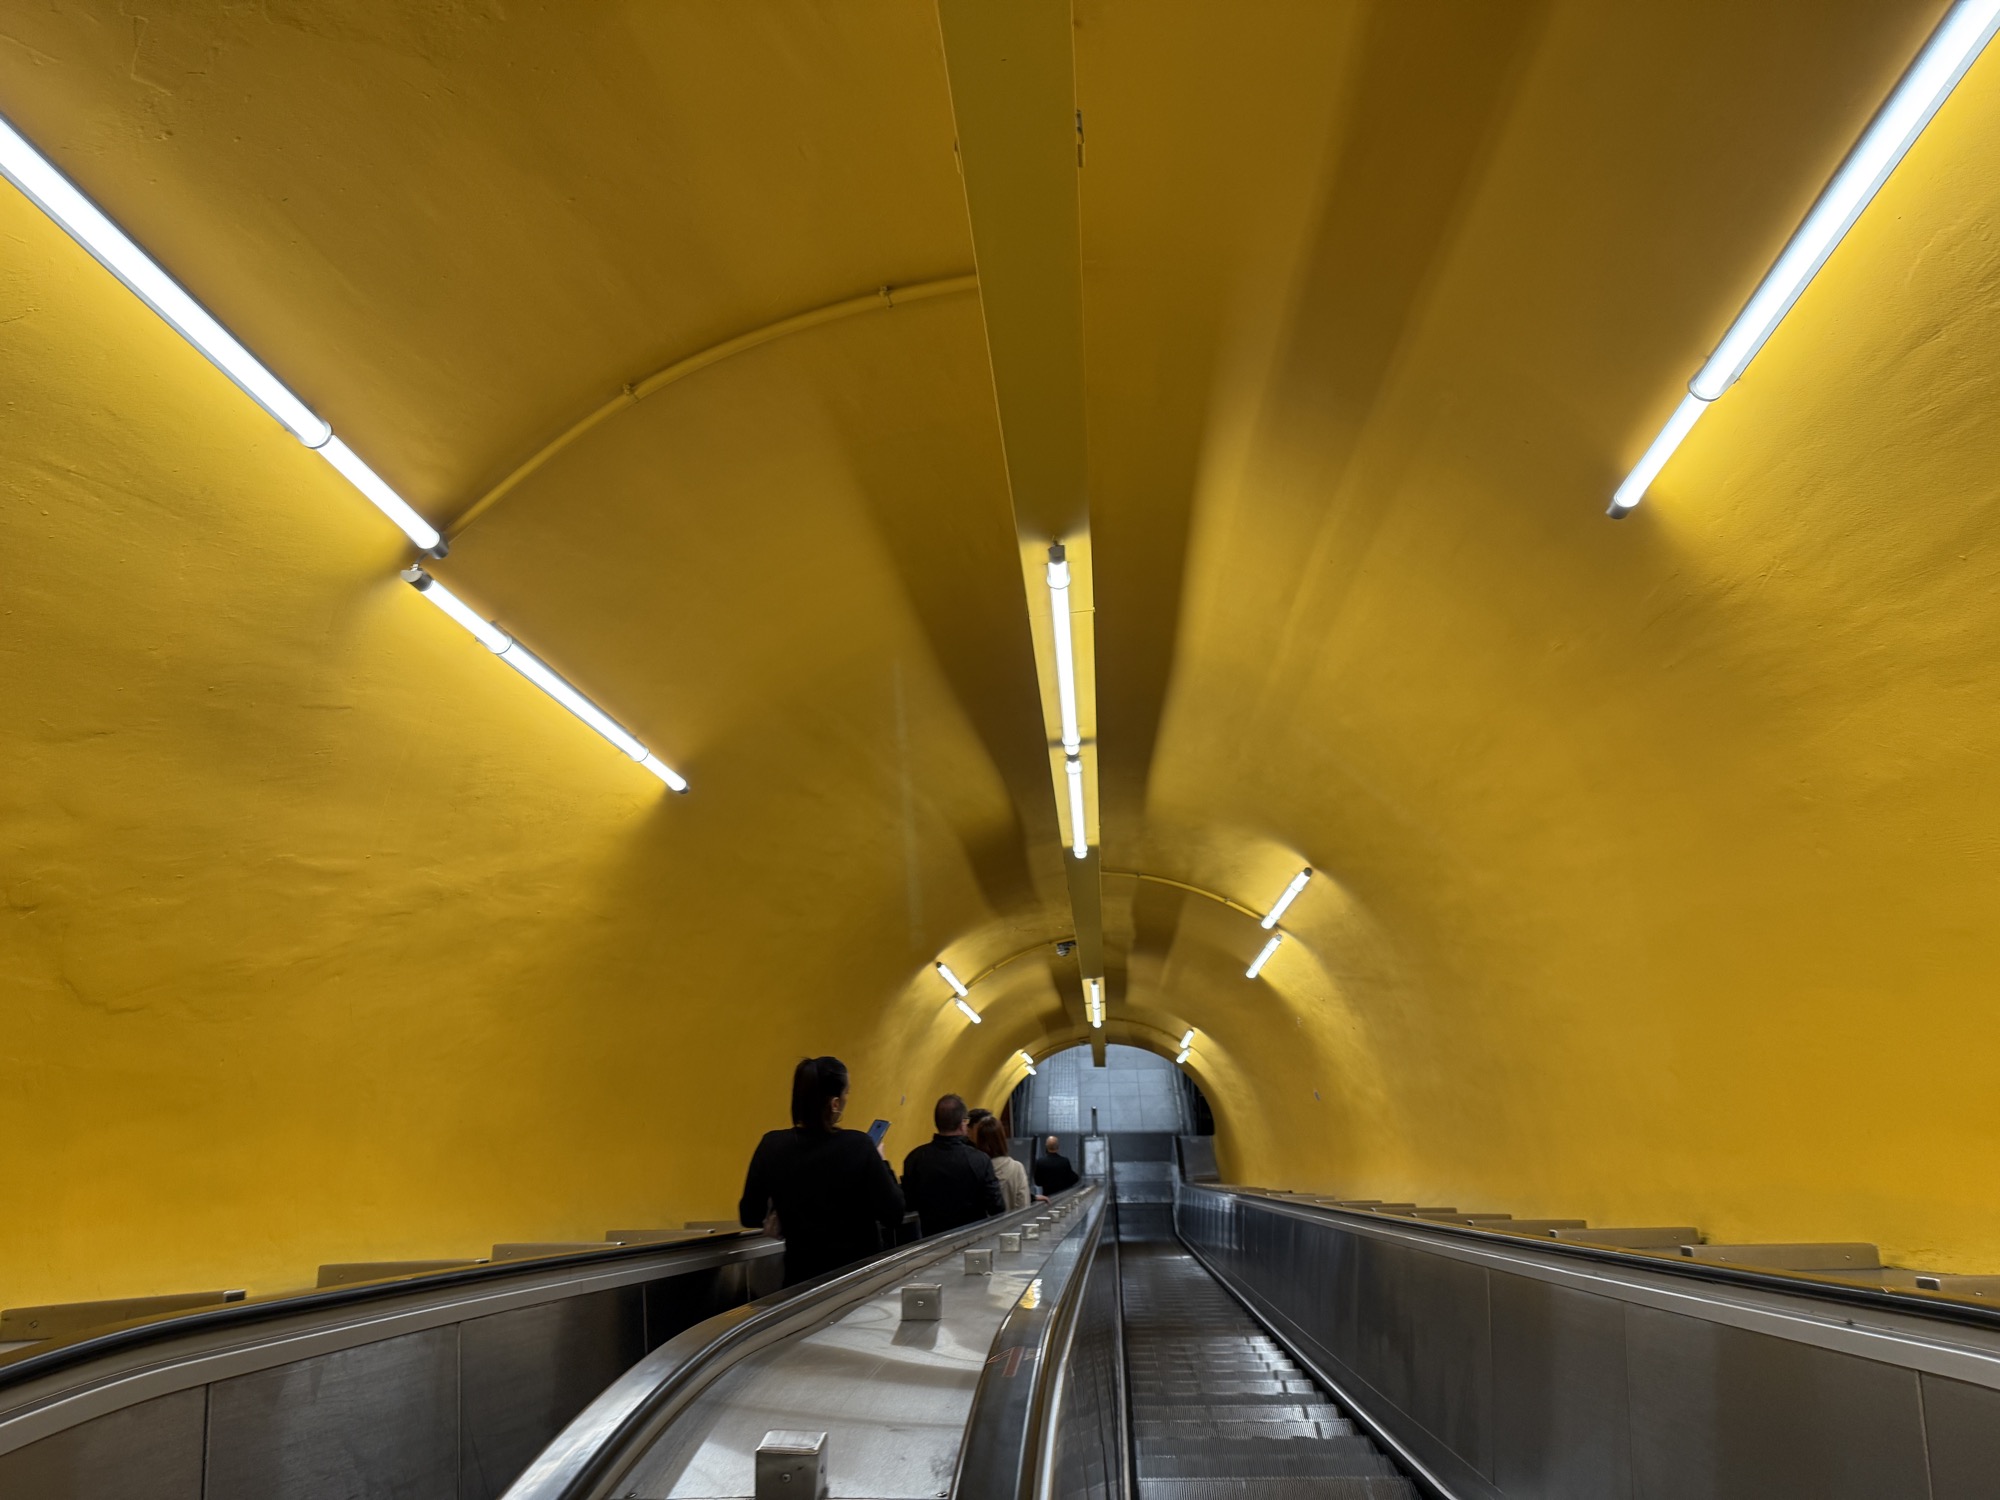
1935	1306
1004	1452
34	1364
596	1450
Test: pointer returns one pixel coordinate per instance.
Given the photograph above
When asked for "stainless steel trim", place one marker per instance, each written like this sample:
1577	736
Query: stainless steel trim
124	1376
1127	1481
597	1451
1494	1366
1939	1343
1008	1452
57	1320
354	1272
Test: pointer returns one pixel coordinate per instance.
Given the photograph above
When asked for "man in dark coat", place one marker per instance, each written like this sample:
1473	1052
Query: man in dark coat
948	1180
1053	1172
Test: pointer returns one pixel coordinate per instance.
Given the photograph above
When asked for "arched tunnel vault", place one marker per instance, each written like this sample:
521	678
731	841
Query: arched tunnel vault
1655	860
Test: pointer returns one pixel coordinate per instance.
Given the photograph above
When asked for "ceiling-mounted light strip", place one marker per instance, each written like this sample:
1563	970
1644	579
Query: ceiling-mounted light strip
1093	1003
1079	836
1182	1057
1072	735
1188	1040
59	198
958	992
1960	37
1263	956
1029	1063
532	667
1286	898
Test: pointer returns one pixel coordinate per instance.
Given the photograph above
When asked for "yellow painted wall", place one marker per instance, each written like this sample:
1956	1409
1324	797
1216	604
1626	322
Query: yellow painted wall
1657	857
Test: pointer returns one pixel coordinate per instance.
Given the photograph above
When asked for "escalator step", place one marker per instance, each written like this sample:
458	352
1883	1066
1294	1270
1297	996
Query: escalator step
1310	1461
1152	1433
1234	1404
1190	1389
1199	1374
1302	1488
1219	1410
1311	1411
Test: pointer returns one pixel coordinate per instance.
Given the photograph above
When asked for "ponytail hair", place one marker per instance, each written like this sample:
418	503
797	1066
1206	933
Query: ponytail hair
816	1083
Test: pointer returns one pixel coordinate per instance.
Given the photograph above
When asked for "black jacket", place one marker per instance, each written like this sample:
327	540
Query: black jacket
1053	1173
836	1198
950	1183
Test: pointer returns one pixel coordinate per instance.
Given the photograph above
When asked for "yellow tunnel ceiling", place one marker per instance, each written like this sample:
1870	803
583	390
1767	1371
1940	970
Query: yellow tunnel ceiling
1655	861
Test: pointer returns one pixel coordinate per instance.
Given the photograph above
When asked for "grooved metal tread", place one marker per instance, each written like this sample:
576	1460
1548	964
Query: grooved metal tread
1366	1488
1219	1410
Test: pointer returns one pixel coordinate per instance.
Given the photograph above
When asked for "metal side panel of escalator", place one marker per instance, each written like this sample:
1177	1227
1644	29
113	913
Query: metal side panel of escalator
431	1386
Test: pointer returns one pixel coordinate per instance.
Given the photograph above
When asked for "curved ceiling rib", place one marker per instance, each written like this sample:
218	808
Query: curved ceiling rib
1131	1013
997	965
881	299
1182	885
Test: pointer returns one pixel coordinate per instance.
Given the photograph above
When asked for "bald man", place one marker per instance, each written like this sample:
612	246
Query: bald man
1053	1172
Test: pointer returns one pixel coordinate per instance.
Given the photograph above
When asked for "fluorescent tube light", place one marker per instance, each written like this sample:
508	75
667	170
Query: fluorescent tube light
1079	840
1951	50
1093	1002
537	671
957	987
1029	1063
1263	956
1289	895
1679	425
58	197
1183	1055
87	224
1959	39
1072	737
378	493
970	1014
1188	1040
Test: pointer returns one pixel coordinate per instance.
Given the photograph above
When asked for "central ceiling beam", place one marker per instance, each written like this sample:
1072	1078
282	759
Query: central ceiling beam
1020	148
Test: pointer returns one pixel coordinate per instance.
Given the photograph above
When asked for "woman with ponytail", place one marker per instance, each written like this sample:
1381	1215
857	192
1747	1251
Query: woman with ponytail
828	1192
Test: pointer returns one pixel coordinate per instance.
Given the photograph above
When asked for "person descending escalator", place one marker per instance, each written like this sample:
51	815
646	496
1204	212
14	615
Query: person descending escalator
1053	1173
949	1181
829	1193
990	1138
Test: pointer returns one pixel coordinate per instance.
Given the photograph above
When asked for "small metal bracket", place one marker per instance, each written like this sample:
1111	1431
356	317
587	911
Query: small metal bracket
923	1302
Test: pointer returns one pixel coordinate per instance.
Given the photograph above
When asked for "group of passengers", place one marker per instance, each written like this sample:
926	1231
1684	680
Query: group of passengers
833	1198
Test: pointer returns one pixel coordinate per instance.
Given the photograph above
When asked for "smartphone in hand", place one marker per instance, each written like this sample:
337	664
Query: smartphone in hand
876	1131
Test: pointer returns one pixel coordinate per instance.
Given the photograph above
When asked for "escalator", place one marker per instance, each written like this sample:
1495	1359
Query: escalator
1219	1409
1157	1336
1105	1326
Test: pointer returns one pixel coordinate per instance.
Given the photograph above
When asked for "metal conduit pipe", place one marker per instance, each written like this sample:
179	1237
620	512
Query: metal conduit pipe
879	300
